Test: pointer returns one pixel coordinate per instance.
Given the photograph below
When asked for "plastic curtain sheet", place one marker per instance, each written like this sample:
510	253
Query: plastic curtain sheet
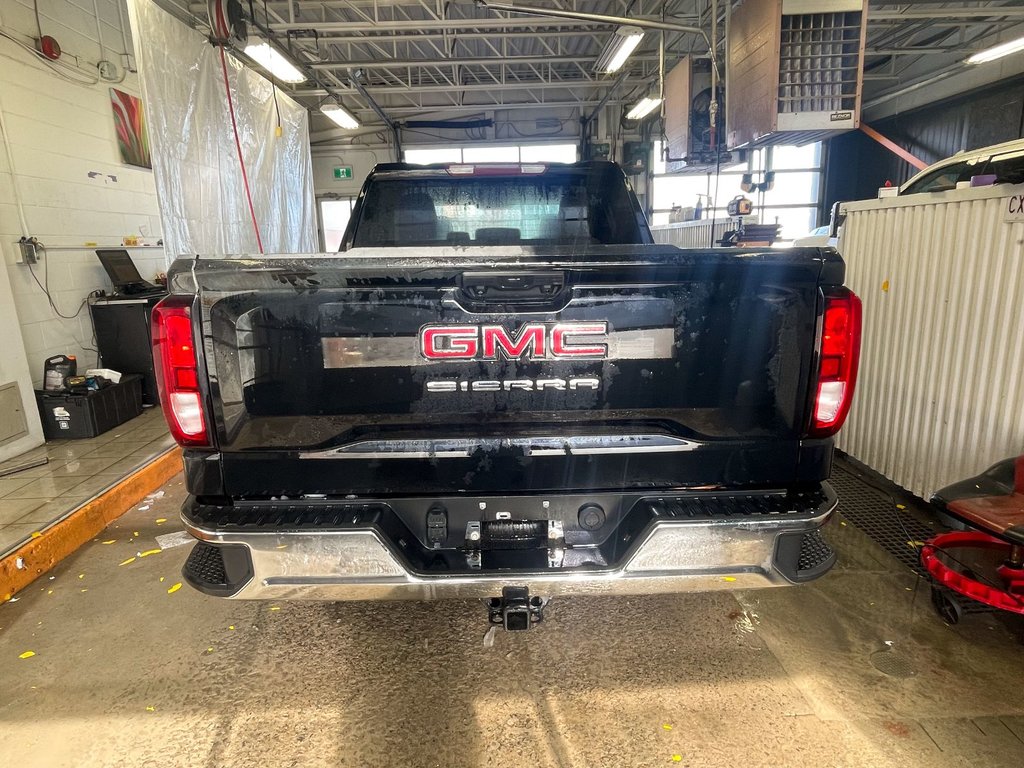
198	178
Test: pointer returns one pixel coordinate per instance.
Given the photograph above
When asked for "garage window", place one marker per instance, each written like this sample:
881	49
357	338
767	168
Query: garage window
511	153
334	215
793	202
428	156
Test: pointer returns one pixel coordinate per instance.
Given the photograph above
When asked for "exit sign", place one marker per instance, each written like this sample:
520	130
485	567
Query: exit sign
343	172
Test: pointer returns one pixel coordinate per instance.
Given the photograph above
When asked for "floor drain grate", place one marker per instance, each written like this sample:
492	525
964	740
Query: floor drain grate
875	513
892	664
899	533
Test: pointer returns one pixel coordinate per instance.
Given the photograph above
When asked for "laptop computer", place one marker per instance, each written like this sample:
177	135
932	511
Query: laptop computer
124	274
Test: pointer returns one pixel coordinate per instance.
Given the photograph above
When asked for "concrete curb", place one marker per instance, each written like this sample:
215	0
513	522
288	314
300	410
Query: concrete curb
44	550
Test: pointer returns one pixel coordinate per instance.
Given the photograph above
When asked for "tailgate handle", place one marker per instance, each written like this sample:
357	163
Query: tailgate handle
488	287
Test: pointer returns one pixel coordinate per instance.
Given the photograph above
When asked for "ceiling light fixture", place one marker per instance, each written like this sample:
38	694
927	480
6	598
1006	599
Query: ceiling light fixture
644	107
997	52
273	61
340	115
618	48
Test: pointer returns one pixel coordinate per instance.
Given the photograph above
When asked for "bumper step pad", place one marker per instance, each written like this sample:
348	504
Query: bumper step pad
217	570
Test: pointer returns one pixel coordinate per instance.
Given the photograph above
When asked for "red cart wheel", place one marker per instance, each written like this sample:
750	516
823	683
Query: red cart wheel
955	560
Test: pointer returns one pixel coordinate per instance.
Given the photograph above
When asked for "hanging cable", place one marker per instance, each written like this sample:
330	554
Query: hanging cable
44	286
278	130
238	147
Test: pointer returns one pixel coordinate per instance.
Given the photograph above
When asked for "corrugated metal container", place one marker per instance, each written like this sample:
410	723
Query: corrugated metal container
696	234
941	389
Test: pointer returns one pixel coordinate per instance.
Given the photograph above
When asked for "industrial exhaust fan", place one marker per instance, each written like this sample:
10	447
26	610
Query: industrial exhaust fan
693	142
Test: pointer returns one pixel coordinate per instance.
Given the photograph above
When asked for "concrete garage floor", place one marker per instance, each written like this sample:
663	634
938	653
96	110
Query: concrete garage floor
128	672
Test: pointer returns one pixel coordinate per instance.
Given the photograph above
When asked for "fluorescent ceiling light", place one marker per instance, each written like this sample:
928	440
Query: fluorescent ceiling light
618	48
644	107
997	52
273	61
340	115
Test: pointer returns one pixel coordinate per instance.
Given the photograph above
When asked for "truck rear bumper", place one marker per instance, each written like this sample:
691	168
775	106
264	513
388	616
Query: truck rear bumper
359	562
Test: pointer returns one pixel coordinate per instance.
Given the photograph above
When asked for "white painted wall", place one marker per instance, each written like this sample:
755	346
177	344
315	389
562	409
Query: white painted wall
68	171
361	160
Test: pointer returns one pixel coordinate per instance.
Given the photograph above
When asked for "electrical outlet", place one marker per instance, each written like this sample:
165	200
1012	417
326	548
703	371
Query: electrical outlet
28	254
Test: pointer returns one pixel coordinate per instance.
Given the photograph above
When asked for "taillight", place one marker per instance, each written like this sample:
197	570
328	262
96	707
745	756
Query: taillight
837	368
177	370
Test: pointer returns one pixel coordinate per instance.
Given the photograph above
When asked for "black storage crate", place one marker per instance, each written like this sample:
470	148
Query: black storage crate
67	415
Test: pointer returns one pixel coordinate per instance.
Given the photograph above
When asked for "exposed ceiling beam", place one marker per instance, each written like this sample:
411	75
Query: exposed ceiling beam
595	18
470	109
963	52
315	5
488	61
489	22
419	36
974	12
522	85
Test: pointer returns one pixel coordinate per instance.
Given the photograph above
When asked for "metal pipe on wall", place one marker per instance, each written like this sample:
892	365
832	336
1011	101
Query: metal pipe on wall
99	29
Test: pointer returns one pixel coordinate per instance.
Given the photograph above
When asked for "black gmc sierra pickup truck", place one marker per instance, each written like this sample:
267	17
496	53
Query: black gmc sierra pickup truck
502	388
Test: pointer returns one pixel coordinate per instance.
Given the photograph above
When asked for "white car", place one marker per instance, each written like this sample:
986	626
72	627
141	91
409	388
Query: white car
1003	161
820	237
827	235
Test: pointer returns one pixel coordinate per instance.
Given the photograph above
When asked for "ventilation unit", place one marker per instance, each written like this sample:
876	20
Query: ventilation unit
794	70
693	143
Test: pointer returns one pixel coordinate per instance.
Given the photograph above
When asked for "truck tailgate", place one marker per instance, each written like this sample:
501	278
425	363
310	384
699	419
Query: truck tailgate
440	370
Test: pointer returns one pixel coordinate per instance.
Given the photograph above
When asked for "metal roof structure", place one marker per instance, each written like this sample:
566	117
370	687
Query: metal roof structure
458	56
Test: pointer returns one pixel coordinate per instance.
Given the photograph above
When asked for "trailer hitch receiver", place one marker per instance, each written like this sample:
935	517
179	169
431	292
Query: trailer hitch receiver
515	610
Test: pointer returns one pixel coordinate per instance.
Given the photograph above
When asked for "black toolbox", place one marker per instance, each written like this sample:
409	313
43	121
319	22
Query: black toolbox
66	415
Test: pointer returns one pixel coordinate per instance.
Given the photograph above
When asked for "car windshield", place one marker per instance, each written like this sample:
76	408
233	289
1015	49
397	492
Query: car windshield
557	207
1007	168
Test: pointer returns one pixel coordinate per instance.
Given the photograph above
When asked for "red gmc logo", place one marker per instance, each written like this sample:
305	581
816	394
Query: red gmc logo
533	341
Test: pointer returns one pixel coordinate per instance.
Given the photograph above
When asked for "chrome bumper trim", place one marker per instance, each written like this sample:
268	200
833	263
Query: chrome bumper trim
674	556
